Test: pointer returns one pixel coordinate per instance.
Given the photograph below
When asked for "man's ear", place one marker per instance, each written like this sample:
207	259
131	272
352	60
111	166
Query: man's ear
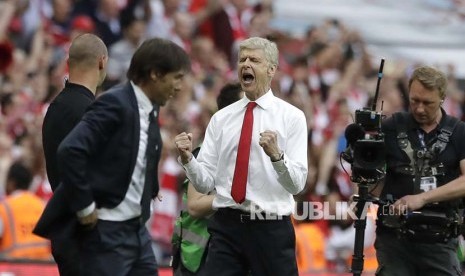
272	70
101	62
155	75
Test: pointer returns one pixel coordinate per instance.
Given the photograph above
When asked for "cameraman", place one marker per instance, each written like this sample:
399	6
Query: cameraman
424	150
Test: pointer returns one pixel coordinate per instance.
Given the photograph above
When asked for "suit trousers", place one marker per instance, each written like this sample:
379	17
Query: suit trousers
114	248
66	255
181	270
240	244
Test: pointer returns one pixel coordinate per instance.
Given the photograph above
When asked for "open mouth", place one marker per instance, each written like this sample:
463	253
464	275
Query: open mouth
247	78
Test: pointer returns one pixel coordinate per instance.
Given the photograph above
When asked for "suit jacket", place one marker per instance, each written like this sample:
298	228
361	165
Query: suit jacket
96	161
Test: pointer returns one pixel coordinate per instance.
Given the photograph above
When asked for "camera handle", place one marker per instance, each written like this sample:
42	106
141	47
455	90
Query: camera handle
360	224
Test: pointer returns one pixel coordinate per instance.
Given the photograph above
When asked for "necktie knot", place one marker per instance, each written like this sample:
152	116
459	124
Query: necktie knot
251	105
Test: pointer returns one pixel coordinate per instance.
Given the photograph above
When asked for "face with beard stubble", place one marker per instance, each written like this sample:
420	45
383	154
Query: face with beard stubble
425	105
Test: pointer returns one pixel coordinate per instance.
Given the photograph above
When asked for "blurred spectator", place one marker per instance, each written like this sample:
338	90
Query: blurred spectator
229	25
310	248
19	212
60	22
22	19
202	10
161	19
107	21
120	53
183	30
82	24
6	55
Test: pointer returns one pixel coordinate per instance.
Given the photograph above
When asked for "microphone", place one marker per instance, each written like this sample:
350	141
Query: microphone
353	133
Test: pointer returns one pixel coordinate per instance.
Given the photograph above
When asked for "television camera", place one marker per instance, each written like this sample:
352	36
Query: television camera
365	143
366	153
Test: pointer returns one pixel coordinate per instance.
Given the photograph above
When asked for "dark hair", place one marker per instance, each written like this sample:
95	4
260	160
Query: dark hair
159	55
128	17
228	94
20	175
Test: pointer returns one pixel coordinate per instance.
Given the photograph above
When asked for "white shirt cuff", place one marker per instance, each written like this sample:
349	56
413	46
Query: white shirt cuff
86	211
280	165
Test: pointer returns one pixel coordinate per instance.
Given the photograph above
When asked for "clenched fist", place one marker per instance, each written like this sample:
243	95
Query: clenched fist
183	143
269	142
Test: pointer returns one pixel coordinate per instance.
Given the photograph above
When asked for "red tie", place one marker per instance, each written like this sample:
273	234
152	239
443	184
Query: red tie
243	153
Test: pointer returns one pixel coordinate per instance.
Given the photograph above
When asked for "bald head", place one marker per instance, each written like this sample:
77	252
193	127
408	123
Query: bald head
86	50
87	62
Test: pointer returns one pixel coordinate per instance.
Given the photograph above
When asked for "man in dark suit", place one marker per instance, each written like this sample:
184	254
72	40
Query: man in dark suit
87	62
108	164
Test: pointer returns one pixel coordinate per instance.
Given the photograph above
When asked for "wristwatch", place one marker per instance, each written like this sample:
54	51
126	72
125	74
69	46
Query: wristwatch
277	157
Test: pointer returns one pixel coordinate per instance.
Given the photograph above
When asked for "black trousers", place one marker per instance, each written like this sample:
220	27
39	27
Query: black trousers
402	257
239	244
181	270
66	255
117	249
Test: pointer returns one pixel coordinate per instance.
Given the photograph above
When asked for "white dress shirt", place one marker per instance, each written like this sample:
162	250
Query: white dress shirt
130	206
270	185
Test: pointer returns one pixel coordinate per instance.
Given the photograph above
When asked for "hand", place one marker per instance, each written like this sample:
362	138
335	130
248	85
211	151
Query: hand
183	143
90	220
408	203
269	142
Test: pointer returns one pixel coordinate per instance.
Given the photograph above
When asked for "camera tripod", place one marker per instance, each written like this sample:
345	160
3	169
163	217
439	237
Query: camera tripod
360	224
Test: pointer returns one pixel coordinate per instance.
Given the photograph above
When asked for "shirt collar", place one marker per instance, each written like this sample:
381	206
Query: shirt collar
143	101
264	101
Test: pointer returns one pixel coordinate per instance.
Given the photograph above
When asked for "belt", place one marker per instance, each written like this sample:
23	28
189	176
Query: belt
249	217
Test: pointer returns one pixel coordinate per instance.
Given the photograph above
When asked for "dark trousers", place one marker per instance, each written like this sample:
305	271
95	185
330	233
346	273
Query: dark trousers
402	257
239	244
66	255
181	270
117	249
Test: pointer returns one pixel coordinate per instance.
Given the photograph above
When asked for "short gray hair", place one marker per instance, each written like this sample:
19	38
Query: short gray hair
269	48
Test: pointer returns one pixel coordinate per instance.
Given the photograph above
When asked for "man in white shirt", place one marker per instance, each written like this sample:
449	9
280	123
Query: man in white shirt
251	229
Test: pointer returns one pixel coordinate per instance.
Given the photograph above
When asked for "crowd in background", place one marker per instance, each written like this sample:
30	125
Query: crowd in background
328	73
